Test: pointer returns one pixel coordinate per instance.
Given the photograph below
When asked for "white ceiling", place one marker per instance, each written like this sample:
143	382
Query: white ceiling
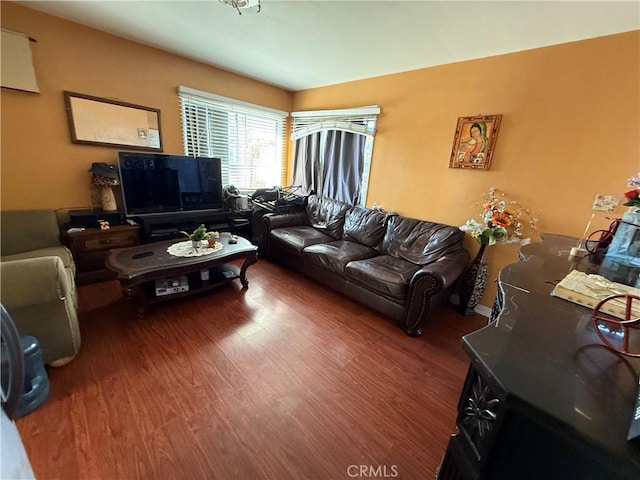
299	44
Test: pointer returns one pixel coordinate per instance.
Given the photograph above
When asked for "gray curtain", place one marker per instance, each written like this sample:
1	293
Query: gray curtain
307	168
343	166
338	174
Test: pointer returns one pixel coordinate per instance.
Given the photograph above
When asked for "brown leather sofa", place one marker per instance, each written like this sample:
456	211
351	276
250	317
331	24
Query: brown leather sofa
401	267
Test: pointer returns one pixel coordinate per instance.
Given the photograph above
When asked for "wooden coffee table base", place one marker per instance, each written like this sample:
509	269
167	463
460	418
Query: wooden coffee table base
138	274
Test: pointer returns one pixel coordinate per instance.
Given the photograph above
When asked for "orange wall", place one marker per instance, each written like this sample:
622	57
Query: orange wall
570	129
570	126
41	168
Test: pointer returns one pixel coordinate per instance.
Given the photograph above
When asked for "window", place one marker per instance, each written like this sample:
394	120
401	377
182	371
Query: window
249	139
332	151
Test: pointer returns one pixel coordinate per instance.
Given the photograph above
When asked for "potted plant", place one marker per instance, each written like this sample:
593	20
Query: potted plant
198	235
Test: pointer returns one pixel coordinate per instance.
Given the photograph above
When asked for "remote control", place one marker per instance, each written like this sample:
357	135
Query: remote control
141	255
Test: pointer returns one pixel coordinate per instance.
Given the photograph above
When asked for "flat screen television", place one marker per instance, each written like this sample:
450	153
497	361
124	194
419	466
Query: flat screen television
157	183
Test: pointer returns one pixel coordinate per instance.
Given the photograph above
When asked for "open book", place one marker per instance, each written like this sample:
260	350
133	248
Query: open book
590	289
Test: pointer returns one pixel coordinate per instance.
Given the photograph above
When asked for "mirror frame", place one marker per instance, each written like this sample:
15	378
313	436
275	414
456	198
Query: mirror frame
111	123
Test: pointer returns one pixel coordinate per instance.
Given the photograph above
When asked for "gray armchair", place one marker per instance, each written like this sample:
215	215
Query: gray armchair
38	285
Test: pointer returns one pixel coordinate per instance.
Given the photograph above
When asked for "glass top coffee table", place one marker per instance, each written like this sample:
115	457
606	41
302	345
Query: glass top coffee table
149	273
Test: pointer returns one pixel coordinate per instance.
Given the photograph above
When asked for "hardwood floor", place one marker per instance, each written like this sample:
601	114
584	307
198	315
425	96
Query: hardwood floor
284	380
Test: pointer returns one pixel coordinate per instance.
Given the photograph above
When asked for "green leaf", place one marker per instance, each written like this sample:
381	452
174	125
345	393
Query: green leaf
499	233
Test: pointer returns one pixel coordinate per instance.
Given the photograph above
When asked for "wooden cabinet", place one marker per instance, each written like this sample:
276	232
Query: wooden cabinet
91	247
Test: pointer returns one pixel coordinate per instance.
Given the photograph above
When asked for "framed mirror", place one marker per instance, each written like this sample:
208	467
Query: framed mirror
110	123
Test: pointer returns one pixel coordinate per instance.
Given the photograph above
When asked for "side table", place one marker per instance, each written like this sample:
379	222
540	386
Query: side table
90	249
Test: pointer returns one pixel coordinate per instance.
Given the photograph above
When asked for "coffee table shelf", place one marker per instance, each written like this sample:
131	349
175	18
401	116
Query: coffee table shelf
218	276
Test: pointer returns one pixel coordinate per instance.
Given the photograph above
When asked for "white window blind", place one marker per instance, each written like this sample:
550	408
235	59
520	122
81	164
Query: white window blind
249	139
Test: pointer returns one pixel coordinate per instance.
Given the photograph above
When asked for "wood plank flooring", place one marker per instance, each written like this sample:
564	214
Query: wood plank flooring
286	380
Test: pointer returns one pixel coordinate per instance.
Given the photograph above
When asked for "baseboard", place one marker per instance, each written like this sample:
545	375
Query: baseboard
480	309
484	311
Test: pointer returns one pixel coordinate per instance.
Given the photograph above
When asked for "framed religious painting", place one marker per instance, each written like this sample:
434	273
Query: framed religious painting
474	142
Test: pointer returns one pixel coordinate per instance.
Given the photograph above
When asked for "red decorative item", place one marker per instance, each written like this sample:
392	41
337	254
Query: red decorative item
606	325
598	242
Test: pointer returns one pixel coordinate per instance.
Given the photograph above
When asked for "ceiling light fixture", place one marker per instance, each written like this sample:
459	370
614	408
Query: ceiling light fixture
242	4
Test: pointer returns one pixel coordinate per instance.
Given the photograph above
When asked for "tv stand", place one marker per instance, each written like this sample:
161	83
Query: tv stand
158	227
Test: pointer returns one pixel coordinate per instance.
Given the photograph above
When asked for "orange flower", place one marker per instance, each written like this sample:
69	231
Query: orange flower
501	219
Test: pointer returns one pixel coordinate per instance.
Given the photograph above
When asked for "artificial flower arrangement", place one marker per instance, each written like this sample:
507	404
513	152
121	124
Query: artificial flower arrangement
502	221
633	196
212	238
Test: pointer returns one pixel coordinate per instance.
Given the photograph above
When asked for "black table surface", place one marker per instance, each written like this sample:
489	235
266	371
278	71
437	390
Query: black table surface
544	351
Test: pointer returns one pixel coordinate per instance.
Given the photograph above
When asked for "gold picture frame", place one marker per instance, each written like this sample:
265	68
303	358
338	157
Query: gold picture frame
111	123
474	142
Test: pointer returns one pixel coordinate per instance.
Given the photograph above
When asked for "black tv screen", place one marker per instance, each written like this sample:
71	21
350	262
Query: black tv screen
155	183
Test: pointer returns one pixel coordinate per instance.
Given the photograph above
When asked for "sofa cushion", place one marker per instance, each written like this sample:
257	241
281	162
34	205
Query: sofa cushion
419	241
365	226
295	239
25	230
326	215
335	255
385	274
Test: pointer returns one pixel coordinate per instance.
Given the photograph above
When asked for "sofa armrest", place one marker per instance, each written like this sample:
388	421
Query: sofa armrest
34	281
426	284
39	294
279	220
446	270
